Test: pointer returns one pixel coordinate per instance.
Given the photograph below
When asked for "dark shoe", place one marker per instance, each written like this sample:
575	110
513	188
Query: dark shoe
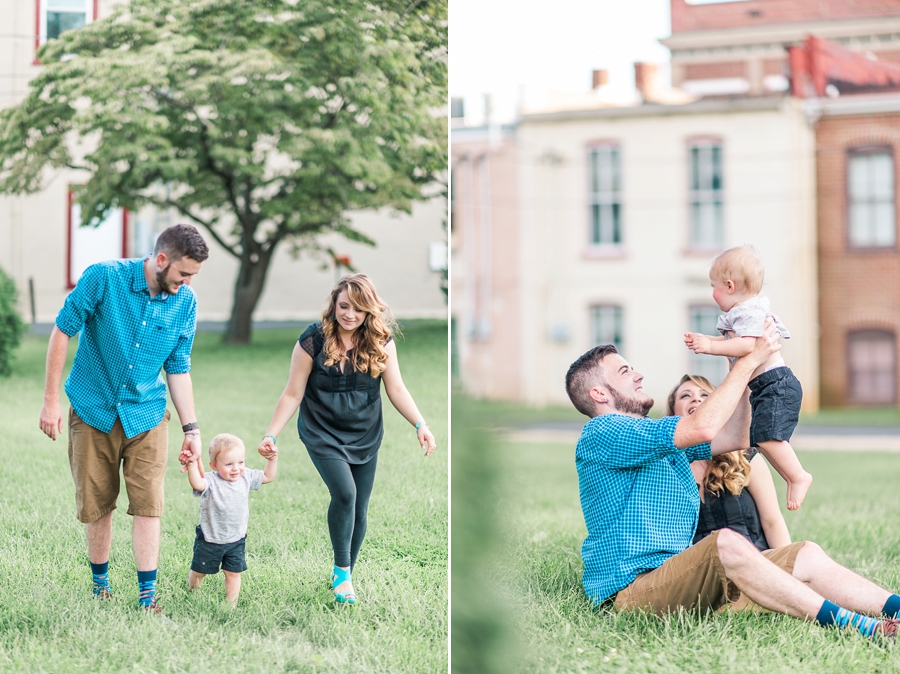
888	627
154	609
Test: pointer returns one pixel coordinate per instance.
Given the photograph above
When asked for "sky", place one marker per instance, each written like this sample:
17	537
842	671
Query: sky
514	48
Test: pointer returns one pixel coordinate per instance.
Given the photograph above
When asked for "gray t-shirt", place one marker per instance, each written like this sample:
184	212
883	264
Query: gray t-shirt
224	506
747	319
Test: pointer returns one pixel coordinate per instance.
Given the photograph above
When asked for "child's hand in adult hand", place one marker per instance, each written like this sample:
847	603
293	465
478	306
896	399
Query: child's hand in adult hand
426	439
190	452
267	449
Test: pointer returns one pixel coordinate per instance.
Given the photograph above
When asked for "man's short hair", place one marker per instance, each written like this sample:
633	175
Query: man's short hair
583	375
223	442
181	241
741	265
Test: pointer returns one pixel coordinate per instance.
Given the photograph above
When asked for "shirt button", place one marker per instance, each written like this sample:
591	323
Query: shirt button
144	323
130	366
137	346
119	405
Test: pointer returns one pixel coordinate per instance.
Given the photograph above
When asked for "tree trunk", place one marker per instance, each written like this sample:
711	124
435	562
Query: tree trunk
248	288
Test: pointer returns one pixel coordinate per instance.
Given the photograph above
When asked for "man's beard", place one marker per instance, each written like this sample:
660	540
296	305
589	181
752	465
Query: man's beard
164	283
629	405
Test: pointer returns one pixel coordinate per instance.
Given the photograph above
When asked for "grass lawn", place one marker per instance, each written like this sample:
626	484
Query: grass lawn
518	604
286	619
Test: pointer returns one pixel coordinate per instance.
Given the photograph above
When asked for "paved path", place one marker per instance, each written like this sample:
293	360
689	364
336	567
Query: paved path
816	438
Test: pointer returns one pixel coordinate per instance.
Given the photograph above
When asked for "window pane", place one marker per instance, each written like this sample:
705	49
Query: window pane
606	325
595	224
882	176
884	230
858	177
703	319
60	22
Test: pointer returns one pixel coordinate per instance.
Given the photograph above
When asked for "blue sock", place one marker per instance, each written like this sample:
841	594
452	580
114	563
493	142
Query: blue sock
147	588
100	572
891	607
832	614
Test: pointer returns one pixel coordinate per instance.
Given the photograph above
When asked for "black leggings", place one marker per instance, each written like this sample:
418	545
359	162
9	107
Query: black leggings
350	486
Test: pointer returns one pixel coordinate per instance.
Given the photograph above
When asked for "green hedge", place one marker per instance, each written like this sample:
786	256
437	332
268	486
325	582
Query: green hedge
11	326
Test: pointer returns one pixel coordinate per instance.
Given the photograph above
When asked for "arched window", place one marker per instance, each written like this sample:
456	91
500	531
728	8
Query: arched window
872	363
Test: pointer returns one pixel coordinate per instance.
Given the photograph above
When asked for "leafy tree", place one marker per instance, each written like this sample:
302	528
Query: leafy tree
264	121
11	326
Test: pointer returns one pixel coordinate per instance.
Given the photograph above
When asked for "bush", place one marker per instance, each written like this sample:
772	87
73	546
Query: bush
11	326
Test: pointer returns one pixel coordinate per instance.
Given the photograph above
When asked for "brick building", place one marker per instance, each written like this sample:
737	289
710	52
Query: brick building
848	75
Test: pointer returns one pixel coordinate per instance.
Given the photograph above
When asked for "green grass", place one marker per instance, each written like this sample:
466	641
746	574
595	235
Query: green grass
286	620
518	604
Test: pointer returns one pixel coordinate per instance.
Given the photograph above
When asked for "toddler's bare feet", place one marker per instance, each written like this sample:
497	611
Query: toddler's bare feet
796	490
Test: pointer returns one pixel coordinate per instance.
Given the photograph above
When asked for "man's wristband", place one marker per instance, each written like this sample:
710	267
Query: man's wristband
274	439
190	427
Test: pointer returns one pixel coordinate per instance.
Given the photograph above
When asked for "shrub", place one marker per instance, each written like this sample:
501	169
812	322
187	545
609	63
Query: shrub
11	326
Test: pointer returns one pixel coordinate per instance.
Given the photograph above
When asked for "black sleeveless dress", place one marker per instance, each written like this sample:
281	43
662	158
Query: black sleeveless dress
725	510
340	414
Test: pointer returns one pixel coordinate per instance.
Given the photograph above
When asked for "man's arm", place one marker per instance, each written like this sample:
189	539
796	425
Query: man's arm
704	424
51	414
735	434
182	391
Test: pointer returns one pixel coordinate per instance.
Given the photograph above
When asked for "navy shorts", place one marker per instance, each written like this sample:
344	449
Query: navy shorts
775	399
209	556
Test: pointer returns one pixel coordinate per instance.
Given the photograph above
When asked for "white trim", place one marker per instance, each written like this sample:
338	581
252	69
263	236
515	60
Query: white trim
718	86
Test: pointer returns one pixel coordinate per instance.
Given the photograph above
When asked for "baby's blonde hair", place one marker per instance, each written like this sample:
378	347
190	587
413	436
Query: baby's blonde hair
223	441
740	265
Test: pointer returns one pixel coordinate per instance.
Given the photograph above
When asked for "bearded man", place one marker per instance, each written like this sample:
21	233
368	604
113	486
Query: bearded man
640	505
136	317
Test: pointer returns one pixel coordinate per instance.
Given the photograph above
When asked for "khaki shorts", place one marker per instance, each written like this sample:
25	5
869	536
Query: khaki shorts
695	579
94	457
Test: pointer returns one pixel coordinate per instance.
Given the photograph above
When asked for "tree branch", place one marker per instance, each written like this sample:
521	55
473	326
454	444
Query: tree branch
207	225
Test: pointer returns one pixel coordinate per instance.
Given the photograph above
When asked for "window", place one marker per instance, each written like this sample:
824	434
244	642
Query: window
57	16
606	325
872	361
703	319
88	245
870	197
707	218
606	197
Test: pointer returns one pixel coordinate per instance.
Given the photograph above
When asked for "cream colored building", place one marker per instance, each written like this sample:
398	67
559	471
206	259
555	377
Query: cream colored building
620	211
43	249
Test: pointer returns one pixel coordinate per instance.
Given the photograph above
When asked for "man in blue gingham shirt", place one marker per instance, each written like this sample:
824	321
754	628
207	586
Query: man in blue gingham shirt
135	317
640	506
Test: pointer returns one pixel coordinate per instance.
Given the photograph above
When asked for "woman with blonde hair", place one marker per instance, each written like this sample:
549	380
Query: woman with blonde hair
337	368
736	488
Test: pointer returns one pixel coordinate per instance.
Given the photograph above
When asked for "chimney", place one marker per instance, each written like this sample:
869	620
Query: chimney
645	79
599	78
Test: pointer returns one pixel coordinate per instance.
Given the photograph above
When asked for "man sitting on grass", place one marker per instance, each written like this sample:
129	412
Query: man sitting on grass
640	504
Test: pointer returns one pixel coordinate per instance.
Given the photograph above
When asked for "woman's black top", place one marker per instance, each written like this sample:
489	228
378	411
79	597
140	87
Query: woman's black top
340	415
725	510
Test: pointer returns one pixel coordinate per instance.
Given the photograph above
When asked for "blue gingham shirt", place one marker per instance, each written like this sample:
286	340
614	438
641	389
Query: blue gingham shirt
126	337
639	498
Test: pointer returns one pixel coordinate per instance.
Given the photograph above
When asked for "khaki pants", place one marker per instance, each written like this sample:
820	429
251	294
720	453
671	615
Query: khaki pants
695	580
94	457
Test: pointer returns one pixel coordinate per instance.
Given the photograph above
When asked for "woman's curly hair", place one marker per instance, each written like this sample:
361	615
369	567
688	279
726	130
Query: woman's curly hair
369	339
726	471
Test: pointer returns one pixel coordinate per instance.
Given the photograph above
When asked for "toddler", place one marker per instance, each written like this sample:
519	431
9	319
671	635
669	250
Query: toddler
224	511
737	278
